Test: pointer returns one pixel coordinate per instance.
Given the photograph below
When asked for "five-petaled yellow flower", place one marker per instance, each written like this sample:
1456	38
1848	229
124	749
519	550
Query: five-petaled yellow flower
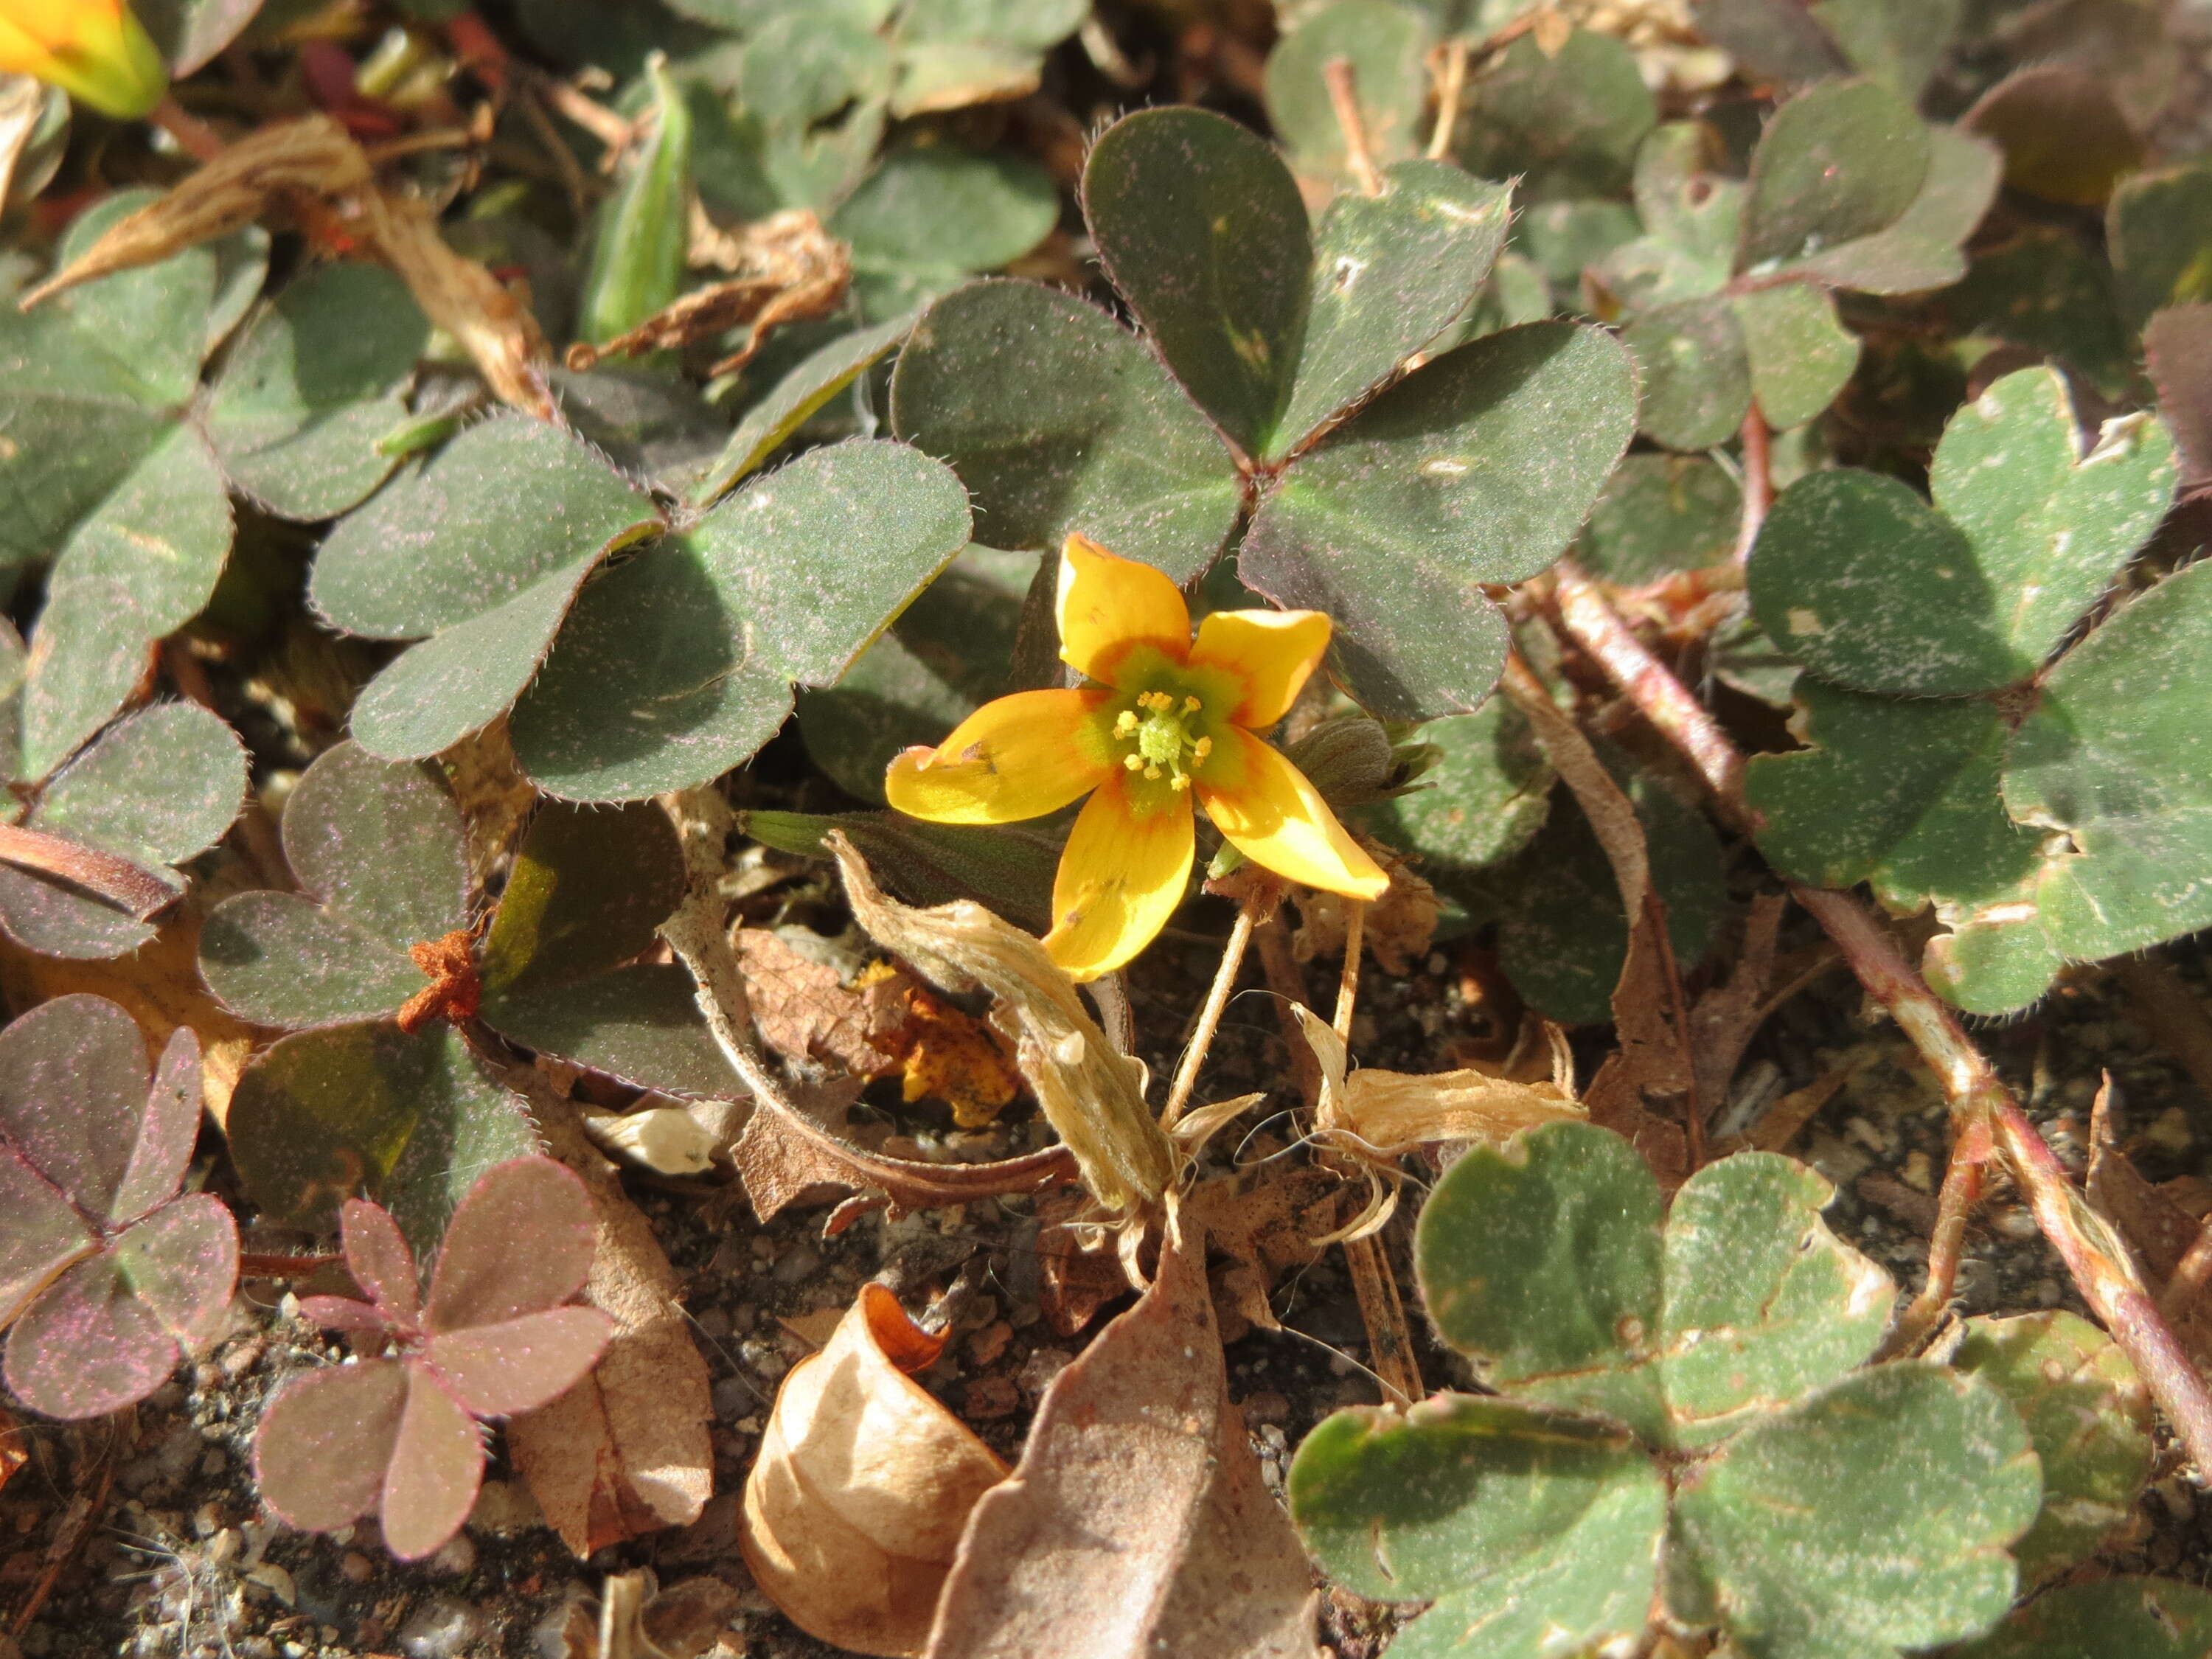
93	49
1166	719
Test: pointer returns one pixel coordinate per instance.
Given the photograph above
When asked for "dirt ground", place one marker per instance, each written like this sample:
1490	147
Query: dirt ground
142	1535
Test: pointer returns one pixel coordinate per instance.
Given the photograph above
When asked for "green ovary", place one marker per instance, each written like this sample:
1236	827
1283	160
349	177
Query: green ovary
1157	731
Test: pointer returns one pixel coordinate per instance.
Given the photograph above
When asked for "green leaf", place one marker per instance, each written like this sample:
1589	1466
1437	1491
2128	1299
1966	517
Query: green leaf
1391	273
2042	289
157	788
2088	1416
1563	935
377	849
1762	1303
1541	1261
1008	866
1838	162
1567	123
2161	251
162	534
950	650
939	208
1477	468
1695	370
1200	224
1900	793
89	650
1385	44
2065	136
485	550
2110	1619
1871	1517
369	1111
1480	803
789	579
587	890
651	424
1870	588
769	423
2113	755
1532	1532
1922	248
311	386
1660	514
1691	217
157	323
1544	1261
1775	39
1800	353
644	229
1057	419
1897	42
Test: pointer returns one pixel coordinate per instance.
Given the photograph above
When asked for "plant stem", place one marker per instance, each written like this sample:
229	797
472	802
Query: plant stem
1451	87
194	137
1757	481
1980	1102
1348	979
1344	98
1209	1019
699	937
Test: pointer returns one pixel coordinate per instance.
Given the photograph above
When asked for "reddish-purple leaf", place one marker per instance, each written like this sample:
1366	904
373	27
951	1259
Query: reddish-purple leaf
519	1365
320	1453
343	1313
182	1262
107	1331
519	1242
437	1463
41	1236
380	1262
73	1080
166	1133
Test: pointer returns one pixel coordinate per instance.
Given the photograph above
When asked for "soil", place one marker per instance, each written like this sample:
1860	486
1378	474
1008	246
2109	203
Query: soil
148	1525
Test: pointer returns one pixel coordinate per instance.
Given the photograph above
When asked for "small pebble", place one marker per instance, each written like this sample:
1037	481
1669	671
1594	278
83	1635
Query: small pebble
2015	1222
2171	1130
355	1567
457	1556
797	1266
1917	1173
2046	1292
1265	1406
988	1398
440	1629
214	1463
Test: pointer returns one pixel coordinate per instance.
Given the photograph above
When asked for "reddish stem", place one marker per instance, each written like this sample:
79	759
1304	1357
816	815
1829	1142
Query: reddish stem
121	883
194	137
1980	1102
1758	480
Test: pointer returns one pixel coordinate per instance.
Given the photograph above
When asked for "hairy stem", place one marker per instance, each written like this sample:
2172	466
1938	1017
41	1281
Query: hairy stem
1980	1102
1209	1019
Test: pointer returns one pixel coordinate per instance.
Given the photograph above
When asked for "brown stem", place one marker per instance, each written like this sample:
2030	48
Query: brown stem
1757	481
1344	98
2191	1274
1979	1101
1209	1019
194	137
121	883
1451	87
1962	1190
1348	979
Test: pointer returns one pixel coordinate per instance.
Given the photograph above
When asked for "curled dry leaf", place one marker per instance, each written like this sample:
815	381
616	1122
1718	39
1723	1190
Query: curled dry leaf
1091	1094
1136	1524
627	1452
308	166
854	1508
787	269
1385	1114
313	155
668	1140
1397	929
805	1011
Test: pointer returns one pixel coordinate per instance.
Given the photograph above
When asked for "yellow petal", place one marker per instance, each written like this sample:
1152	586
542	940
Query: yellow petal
1267	807
1108	605
1270	652
1015	758
1123	873
94	50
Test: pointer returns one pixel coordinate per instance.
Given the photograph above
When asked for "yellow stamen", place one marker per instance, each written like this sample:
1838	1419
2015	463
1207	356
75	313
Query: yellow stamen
1134	762
1125	724
1152	771
1180	782
1191	705
1202	748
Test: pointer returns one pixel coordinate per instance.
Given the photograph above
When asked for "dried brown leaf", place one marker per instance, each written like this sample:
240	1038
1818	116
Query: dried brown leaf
1387	1114
313	155
1397	929
854	1508
462	297
626	1451
805	1012
2159	1229
1266	1223
1091	1094
1136	1522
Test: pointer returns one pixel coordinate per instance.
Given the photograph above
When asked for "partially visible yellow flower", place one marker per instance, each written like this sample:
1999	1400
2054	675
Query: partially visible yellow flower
93	49
1167	718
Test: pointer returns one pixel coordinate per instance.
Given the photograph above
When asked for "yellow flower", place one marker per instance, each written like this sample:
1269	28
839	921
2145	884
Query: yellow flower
93	49
1168	719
